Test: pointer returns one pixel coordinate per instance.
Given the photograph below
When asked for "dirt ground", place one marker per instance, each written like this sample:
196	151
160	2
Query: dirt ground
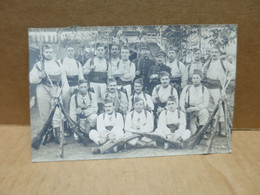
77	151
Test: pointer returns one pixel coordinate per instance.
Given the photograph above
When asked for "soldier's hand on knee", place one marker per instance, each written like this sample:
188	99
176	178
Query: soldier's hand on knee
78	111
112	136
42	74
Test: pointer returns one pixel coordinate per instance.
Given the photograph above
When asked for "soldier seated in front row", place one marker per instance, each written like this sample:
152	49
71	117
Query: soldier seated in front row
138	92
139	120
162	92
83	107
172	123
194	101
117	96
109	126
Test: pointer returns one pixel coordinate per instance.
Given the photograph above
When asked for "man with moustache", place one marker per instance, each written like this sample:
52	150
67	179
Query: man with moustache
49	76
95	70
138	92
215	72
126	71
194	101
110	126
117	96
143	64
162	92
114	59
179	77
155	70
195	64
83	107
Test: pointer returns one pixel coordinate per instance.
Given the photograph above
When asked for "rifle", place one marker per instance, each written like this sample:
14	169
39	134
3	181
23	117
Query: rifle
154	136
62	137
37	140
75	127
111	144
197	137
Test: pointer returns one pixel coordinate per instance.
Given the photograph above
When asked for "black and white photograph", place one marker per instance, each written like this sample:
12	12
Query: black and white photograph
106	92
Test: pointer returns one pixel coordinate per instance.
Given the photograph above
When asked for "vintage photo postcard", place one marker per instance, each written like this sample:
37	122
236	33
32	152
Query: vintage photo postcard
131	91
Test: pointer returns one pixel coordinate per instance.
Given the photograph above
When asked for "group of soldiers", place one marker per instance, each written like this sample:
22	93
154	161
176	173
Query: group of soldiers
112	98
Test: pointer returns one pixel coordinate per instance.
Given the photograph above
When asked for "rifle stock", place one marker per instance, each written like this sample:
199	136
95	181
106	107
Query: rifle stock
159	137
76	127
37	140
110	144
197	137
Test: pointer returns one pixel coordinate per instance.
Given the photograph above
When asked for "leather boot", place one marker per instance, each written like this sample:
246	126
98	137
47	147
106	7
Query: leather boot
222	132
57	135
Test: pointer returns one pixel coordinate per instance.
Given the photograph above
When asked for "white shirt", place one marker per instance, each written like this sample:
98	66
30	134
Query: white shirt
72	68
128	69
195	96
115	120
139	122
100	65
51	68
215	70
164	93
172	118
178	71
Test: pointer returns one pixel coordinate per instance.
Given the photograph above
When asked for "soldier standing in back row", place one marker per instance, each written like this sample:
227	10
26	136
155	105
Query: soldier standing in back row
195	64
155	70
143	64
74	73
215	73
95	71
179	76
49	76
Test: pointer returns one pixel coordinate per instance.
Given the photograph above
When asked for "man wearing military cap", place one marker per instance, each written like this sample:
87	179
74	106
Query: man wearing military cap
195	64
172	122
194	101
83	107
162	92
179	76
49	76
138	92
156	69
143	64
139	120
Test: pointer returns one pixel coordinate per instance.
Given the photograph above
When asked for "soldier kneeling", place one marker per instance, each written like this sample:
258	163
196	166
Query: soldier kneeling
109	126
172	123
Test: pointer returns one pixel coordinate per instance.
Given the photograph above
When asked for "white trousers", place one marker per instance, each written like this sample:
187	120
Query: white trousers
99	89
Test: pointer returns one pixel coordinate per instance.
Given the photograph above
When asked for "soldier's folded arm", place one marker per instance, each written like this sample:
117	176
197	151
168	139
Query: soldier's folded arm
35	75
86	67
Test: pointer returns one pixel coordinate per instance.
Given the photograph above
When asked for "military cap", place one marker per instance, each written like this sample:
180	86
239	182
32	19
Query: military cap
195	50
160	53
140	81
70	46
111	80
100	45
107	101
163	74
46	46
171	98
172	48
198	72
82	81
138	99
